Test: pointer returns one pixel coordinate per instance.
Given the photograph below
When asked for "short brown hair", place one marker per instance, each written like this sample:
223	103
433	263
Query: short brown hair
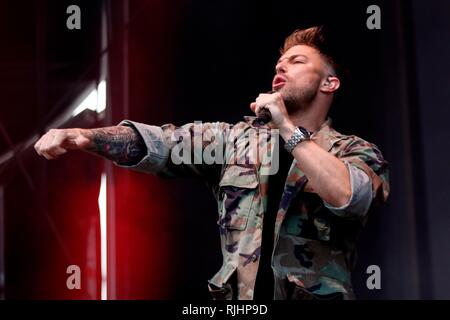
313	37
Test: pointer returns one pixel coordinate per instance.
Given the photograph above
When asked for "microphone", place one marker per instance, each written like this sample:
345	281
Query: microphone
264	115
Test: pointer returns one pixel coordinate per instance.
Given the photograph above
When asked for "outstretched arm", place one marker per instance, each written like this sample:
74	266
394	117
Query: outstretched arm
120	144
145	148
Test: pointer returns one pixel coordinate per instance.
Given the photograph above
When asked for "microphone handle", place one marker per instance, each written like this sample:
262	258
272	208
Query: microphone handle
264	116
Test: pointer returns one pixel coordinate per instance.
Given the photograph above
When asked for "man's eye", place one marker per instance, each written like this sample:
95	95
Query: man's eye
298	61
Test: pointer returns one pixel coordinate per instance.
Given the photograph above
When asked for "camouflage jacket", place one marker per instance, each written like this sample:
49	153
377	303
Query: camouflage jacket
314	246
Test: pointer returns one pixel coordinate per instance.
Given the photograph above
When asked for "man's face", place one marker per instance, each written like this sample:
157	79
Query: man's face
299	74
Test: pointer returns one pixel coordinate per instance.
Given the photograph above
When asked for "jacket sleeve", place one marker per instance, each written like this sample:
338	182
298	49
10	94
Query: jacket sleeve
361	196
194	149
369	177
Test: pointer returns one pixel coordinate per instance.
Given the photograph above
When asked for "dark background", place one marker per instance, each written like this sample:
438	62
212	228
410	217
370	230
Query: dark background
181	61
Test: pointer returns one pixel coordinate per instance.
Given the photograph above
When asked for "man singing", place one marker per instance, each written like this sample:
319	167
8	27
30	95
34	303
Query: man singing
290	234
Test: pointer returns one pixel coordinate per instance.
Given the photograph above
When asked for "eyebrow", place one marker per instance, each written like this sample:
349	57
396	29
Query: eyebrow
292	57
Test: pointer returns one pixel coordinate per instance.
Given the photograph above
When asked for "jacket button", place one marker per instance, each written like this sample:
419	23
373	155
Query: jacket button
254	257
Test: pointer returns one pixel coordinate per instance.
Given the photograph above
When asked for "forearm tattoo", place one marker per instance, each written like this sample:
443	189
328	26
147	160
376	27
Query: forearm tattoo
120	144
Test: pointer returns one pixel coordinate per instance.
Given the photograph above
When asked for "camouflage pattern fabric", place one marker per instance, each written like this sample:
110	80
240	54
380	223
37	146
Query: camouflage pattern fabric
314	248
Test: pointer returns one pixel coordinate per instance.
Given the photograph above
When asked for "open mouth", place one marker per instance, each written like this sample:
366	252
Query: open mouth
278	82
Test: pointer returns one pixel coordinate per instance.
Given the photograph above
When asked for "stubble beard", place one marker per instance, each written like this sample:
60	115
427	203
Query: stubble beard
298	99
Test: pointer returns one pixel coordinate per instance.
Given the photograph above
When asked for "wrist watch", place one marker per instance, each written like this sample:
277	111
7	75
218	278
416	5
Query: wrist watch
300	135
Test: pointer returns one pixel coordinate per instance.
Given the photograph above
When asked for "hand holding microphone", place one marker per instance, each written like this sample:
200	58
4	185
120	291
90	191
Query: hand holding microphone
269	107
264	116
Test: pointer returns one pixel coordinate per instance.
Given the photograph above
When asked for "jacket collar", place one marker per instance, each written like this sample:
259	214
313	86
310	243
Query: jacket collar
326	136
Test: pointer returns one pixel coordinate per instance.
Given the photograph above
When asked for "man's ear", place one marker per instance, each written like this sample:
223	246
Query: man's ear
330	85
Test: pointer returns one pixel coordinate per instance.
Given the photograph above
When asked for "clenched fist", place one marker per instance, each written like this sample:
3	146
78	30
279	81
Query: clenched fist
275	104
56	142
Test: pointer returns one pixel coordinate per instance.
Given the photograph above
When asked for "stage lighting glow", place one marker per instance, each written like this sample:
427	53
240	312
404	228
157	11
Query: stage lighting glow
101	97
103	229
90	102
95	100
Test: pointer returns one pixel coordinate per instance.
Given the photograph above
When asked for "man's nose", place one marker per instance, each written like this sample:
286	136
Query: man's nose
280	68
